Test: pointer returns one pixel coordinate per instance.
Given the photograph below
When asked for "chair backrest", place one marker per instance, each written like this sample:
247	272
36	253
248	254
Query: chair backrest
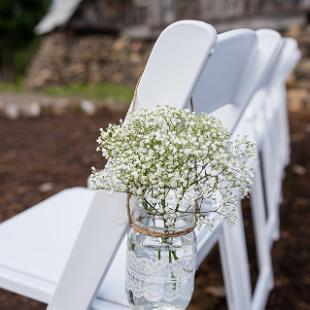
220	79
283	64
174	66
220	89
286	61
173	69
258	72
242	63
270	46
233	82
270	119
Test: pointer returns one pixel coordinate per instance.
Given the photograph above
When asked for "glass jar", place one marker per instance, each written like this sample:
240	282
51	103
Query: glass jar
160	270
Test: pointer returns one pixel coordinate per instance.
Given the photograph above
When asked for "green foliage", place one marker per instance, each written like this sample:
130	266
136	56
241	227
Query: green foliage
120	93
17	21
17	87
22	57
96	92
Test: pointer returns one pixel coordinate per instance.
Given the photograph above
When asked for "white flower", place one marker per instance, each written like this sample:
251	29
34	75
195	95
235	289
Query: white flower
168	156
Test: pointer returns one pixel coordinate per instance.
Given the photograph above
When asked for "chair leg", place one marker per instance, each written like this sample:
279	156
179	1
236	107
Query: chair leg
270	185
265	280
235	264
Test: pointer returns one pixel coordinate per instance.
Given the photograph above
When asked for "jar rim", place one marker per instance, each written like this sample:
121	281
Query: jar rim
167	222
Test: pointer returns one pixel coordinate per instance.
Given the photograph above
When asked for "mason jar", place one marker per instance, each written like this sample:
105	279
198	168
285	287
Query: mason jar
161	260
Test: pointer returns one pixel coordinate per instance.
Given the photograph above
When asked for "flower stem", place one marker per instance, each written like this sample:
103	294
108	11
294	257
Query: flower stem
174	253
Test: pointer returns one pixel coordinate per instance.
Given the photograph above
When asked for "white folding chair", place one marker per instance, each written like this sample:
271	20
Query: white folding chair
269	45
277	131
36	245
173	68
234	83
261	112
277	109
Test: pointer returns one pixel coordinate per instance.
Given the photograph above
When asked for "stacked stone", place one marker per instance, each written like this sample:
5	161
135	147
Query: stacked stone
65	58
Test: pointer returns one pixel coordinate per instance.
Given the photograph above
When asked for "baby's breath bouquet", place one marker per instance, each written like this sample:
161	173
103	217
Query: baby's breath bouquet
171	159
181	167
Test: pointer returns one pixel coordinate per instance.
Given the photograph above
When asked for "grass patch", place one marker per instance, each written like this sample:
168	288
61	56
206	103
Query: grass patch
96	92
16	87
120	93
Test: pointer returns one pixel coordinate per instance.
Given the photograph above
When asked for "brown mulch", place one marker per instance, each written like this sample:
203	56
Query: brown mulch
39	157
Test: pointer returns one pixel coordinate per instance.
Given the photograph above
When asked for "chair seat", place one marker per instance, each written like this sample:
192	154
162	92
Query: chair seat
36	244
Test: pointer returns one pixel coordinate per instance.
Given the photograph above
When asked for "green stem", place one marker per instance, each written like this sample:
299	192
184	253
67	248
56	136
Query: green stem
174	253
159	254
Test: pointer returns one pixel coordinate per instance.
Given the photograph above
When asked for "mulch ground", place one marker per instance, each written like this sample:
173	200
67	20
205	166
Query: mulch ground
39	157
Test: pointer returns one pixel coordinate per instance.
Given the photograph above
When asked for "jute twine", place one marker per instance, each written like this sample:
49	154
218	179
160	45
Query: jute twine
145	230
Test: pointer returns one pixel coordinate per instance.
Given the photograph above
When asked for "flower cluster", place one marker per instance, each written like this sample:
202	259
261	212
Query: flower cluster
172	159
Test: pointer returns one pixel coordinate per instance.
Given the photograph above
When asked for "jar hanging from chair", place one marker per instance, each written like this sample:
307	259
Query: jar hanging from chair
161	259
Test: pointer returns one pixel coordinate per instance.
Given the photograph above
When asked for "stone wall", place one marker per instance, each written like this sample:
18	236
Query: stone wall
65	58
35	105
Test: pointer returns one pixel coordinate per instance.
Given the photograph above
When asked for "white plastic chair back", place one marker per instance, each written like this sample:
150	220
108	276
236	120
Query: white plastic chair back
220	79
261	115
276	107
219	84
275	137
174	66
269	48
270	44
289	56
216	92
231	77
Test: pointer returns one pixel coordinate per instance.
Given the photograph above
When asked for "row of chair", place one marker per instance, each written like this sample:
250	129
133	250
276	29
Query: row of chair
69	251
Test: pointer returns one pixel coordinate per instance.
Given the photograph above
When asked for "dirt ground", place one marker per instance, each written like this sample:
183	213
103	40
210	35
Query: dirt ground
39	157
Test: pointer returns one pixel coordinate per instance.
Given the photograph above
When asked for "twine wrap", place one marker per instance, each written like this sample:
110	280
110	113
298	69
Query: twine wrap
147	231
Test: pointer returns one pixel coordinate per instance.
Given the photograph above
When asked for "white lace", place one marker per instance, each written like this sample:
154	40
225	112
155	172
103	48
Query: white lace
158	280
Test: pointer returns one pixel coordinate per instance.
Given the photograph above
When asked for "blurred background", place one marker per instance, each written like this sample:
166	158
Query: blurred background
68	67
